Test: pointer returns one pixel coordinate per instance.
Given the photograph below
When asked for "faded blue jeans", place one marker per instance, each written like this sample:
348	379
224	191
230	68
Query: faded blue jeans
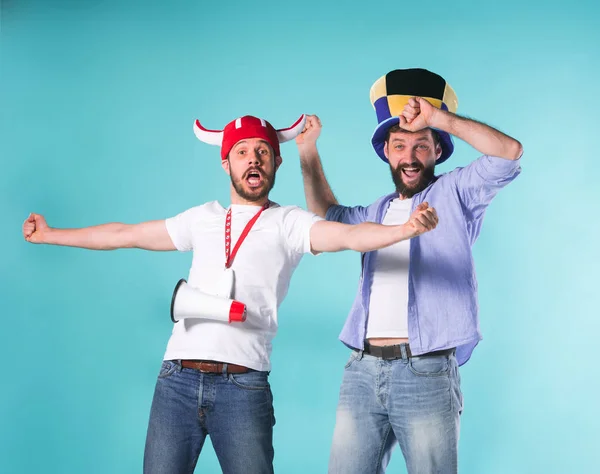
415	402
235	410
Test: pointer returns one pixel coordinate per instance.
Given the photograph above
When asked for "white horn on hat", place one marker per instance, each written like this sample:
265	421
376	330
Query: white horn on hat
212	137
286	134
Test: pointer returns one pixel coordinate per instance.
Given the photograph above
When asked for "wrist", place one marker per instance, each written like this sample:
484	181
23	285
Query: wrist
308	150
405	231
47	235
440	119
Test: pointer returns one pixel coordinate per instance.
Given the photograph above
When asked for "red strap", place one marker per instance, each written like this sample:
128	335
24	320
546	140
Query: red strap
229	256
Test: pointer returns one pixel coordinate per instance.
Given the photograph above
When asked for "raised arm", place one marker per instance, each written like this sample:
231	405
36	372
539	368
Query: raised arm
419	114
328	236
150	235
319	196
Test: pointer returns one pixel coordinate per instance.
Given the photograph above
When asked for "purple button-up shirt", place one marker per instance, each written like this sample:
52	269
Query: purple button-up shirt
442	287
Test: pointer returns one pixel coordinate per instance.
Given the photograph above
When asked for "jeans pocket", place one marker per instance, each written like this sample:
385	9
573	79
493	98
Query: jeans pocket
429	366
167	368
353	357
253	380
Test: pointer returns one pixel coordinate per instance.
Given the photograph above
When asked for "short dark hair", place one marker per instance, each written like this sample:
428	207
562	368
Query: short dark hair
396	128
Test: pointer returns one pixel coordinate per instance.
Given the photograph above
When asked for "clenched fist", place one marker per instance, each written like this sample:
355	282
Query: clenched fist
423	219
417	114
312	130
34	228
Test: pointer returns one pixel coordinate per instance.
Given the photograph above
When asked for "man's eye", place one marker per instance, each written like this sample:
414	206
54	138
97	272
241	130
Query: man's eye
241	152
399	147
423	147
263	152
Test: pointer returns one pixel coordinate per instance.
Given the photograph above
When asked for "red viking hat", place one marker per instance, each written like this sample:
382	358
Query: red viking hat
248	127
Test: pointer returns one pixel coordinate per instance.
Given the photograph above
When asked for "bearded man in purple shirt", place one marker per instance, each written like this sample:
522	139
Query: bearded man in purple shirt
415	317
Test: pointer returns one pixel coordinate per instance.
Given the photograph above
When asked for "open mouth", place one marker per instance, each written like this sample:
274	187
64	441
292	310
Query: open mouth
411	173
254	178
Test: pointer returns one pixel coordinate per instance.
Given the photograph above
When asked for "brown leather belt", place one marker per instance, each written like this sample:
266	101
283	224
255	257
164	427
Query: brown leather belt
212	367
395	351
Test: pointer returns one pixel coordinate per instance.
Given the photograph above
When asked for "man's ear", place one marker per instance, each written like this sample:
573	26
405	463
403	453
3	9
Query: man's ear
225	165
385	150
438	151
278	161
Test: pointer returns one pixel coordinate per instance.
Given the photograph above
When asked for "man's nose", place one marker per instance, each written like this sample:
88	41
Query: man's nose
254	157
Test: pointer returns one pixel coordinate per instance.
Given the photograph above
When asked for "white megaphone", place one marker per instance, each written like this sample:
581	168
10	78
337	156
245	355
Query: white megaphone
188	303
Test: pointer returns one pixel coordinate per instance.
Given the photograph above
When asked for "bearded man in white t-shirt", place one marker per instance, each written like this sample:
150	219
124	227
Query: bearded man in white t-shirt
214	377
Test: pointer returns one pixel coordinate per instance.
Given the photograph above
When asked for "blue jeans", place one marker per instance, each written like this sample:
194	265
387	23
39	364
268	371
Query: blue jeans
235	410
415	402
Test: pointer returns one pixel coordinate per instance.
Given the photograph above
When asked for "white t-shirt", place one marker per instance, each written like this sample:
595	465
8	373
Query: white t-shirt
263	268
388	307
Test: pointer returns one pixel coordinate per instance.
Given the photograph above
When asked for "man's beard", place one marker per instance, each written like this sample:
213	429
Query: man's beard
426	177
255	194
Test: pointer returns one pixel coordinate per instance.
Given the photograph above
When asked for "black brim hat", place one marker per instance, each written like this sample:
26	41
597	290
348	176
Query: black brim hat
391	93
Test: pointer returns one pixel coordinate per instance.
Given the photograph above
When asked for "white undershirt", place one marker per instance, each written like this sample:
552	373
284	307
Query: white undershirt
388	306
263	268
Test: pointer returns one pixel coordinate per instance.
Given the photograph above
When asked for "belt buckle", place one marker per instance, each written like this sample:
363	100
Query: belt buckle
387	353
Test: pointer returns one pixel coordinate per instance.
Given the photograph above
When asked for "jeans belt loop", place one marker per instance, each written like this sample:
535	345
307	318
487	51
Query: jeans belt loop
403	351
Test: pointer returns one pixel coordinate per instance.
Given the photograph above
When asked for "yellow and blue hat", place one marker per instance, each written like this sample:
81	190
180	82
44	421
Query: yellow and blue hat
391	93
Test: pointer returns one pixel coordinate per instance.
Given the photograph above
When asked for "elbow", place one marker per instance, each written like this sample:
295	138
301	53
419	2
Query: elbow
126	237
355	239
515	150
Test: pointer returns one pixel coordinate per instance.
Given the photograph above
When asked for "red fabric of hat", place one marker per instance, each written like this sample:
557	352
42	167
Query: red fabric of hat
248	127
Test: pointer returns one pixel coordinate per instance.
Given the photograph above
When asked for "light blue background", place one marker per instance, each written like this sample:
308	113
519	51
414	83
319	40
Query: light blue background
98	101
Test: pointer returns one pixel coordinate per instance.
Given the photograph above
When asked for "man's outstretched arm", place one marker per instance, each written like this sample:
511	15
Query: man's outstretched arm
319	196
150	235
367	236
